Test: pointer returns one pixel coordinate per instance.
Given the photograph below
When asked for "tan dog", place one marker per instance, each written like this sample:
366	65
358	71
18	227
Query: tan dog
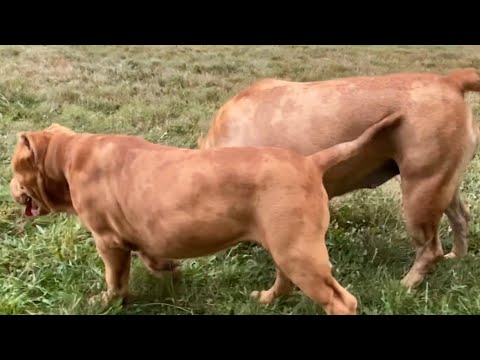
171	203
430	151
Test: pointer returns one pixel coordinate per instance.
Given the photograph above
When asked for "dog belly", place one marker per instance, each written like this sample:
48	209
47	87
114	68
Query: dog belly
380	176
351	176
186	247
157	264
181	234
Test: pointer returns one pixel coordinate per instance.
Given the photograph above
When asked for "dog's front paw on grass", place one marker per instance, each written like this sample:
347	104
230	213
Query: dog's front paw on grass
105	298
455	255
412	280
450	255
264	297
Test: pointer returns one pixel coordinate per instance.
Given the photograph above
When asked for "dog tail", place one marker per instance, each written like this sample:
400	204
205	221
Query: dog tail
327	158
467	79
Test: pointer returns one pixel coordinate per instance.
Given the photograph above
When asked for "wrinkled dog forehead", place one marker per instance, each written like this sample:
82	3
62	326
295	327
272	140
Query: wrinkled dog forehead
31	149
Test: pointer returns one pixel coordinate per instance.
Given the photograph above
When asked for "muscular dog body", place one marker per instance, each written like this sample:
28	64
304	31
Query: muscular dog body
170	203
430	151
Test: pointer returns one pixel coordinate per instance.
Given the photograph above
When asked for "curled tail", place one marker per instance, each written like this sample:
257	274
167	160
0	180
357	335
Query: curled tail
327	158
467	79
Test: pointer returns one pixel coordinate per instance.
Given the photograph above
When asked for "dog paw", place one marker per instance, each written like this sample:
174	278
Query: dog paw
105	298
263	297
454	255
412	280
101	299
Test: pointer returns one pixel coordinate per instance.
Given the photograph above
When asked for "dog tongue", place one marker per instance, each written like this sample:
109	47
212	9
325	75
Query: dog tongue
28	209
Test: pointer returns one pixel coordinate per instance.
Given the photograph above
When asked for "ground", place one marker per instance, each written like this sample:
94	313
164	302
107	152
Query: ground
168	95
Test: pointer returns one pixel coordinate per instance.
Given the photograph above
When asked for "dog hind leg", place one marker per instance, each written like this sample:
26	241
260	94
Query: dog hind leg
459	218
424	201
312	273
305	262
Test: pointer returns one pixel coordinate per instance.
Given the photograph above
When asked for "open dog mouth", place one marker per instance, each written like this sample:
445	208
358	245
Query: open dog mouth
31	208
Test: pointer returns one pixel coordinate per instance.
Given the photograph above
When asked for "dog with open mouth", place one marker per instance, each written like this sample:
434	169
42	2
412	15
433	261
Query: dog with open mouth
42	195
33	193
32	207
175	203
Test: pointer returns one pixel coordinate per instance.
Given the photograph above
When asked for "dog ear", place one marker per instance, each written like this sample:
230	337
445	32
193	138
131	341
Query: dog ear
22	139
36	145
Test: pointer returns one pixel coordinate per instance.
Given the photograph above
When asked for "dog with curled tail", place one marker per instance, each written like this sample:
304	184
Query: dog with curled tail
168	204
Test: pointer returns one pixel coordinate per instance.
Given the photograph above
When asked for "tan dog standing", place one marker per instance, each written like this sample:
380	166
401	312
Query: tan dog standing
430	151
171	203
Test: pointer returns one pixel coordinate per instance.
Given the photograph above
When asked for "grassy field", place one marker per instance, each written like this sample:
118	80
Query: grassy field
169	95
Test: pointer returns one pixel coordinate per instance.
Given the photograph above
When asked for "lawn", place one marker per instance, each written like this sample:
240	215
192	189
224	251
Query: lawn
168	95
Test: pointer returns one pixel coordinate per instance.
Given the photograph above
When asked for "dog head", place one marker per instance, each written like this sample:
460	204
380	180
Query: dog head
38	182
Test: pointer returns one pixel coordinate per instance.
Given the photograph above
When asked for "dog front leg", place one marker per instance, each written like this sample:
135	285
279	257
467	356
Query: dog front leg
117	270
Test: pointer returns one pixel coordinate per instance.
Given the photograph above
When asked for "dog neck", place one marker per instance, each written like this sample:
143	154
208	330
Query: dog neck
54	170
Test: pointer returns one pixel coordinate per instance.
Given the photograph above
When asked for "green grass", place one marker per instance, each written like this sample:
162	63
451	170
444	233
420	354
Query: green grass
169	95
